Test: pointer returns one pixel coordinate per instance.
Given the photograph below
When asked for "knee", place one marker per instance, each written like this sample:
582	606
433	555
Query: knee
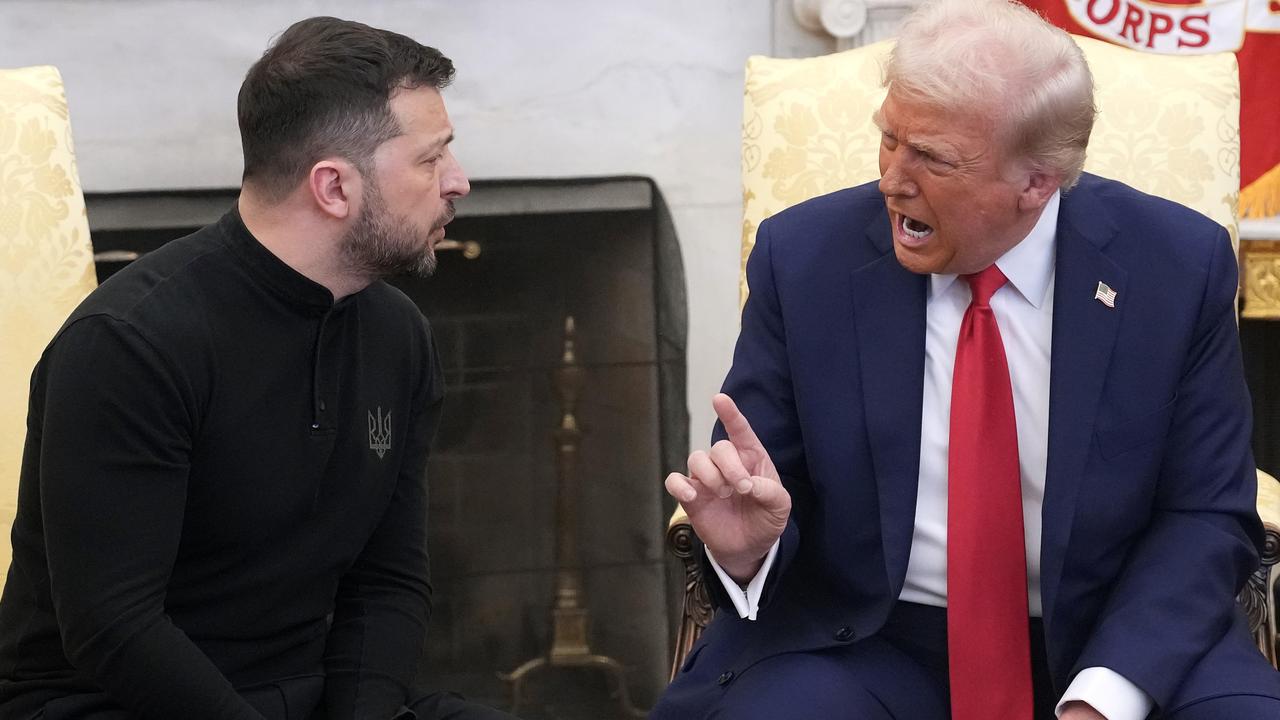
804	690
801	685
857	684
870	680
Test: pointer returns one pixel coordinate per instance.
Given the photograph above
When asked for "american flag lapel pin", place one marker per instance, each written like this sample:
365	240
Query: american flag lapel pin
1105	295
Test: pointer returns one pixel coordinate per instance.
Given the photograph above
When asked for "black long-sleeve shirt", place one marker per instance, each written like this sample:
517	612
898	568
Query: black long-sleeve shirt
222	508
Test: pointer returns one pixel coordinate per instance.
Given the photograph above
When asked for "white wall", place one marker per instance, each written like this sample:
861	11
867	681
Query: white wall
545	88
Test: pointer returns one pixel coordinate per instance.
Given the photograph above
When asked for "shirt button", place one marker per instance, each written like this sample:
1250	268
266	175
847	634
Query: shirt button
322	408
725	677
844	634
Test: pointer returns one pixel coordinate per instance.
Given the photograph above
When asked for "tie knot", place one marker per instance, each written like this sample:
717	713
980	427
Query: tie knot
985	283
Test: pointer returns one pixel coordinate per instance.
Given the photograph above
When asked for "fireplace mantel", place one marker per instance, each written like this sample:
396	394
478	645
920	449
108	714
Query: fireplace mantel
155	209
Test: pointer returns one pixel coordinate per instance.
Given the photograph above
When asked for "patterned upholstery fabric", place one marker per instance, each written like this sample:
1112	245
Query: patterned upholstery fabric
46	262
1167	125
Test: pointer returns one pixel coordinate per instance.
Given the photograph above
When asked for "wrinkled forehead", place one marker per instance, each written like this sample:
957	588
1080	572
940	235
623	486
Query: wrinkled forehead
956	133
901	112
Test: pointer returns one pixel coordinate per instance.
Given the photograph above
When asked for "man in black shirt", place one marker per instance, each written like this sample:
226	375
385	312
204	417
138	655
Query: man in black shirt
222	509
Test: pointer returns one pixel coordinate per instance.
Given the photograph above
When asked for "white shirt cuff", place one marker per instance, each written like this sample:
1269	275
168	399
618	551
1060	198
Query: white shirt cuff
1110	693
746	600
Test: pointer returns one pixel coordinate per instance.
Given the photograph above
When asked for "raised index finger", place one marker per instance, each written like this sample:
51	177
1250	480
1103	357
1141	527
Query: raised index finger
735	424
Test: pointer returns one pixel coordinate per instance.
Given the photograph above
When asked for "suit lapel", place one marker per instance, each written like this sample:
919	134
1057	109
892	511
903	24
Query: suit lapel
1084	333
889	318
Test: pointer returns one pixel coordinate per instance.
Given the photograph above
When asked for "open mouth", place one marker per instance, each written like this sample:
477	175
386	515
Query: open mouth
915	229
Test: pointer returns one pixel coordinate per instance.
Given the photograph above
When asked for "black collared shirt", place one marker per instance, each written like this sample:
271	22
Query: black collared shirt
223	490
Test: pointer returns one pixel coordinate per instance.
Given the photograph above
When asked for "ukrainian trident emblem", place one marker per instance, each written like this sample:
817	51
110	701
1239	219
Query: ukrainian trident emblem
380	432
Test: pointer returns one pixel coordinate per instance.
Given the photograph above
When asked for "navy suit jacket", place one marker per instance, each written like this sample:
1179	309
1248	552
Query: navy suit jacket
1149	520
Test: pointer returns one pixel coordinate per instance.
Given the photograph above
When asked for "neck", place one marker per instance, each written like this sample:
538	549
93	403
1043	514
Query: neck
1019	232
301	239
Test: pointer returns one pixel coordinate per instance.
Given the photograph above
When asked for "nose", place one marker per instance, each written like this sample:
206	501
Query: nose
455	184
895	176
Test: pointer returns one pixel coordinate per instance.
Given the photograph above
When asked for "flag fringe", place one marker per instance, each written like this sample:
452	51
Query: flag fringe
1261	198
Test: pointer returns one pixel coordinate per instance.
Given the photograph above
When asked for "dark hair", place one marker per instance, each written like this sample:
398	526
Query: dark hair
322	89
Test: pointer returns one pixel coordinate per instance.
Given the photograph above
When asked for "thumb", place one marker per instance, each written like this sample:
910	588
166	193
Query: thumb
772	497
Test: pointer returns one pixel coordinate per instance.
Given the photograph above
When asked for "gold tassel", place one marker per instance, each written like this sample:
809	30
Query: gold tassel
1262	197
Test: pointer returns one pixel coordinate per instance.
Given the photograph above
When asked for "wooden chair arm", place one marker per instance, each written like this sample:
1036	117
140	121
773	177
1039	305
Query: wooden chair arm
1259	597
696	610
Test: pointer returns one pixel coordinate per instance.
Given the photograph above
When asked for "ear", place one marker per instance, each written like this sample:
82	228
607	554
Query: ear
335	185
1038	187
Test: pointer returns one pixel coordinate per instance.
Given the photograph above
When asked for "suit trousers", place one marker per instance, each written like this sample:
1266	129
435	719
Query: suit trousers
900	673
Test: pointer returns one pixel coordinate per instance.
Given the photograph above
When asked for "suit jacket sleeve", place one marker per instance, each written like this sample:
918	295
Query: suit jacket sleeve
760	383
384	601
1175	594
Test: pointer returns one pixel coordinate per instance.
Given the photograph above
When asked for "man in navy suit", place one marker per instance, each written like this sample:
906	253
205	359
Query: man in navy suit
828	503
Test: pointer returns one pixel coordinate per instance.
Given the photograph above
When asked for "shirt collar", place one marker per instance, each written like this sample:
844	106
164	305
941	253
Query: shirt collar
272	272
1028	265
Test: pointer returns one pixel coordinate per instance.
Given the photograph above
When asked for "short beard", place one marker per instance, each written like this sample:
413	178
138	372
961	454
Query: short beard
379	245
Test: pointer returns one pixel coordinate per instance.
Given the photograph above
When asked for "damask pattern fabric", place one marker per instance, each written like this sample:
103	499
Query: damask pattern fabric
46	261
1249	28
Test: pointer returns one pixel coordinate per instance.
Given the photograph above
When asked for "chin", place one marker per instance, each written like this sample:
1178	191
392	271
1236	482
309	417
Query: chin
916	262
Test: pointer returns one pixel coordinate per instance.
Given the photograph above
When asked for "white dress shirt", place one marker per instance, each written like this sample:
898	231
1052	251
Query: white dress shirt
1024	311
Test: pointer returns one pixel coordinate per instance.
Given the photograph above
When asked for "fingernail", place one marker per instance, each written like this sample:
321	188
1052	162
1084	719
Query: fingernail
744	486
690	496
725	491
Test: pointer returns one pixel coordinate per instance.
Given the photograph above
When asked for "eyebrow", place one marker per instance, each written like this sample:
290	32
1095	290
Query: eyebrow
436	145
930	149
920	146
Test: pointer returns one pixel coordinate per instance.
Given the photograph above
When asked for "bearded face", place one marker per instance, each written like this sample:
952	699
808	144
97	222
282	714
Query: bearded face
381	244
410	183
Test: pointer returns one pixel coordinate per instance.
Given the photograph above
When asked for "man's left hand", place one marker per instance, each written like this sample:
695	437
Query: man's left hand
1077	710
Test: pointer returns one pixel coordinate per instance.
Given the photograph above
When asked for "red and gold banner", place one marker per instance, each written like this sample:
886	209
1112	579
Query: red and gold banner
1249	28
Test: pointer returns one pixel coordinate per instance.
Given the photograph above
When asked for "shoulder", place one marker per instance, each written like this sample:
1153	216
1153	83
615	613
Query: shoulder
393	318
835	212
1148	229
831	233
163	296
392	304
1178	261
1118	195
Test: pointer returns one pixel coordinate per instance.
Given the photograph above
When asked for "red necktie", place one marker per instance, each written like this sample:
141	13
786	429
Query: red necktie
987	628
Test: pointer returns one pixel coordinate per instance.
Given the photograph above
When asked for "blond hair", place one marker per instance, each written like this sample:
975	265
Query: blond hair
1000	57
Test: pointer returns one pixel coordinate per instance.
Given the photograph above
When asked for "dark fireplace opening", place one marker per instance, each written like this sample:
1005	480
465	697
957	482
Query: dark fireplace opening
525	256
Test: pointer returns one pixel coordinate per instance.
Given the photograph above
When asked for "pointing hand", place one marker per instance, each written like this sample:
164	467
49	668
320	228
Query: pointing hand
733	495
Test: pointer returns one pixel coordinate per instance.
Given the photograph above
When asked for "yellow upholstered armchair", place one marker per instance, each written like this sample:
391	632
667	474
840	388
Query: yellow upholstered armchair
46	262
1167	125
